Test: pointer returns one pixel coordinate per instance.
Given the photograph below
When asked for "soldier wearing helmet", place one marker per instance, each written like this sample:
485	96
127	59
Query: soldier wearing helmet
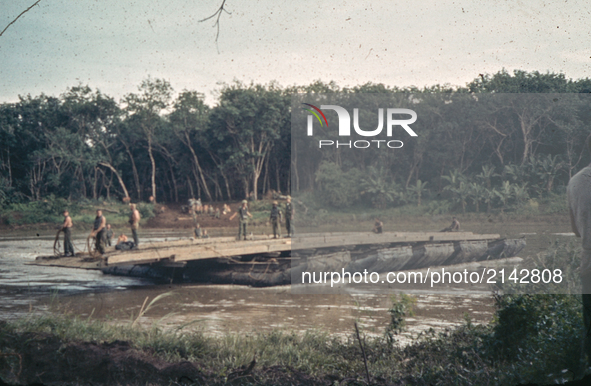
243	215
275	219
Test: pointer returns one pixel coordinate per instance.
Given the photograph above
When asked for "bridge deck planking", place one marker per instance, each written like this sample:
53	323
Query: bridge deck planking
228	247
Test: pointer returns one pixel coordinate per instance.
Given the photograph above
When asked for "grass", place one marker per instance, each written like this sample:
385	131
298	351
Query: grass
533	338
466	355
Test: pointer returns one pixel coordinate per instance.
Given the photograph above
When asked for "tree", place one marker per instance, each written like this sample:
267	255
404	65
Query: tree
418	190
144	110
246	124
189	120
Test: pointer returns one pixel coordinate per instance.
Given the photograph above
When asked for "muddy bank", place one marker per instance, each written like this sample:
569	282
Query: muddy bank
46	359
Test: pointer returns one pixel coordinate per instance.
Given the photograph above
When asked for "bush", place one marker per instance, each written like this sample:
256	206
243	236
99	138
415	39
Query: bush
47	210
338	188
146	211
540	334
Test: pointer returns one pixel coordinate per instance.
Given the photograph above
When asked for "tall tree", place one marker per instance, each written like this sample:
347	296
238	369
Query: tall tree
189	120
145	110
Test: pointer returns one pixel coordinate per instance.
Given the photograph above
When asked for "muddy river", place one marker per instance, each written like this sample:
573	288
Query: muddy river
29	290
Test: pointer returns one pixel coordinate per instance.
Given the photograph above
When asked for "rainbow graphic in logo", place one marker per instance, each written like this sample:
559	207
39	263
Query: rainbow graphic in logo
316	115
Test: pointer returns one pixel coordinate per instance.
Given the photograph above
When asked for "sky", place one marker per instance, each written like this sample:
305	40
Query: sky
113	45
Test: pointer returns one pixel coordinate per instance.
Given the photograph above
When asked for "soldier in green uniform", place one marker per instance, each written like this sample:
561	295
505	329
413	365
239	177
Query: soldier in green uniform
289	212
98	231
67	229
243	215
275	219
193	209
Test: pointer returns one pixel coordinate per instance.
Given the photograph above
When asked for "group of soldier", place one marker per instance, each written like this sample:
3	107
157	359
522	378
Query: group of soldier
275	218
101	231
196	208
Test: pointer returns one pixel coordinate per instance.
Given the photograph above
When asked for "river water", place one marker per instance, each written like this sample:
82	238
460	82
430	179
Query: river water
29	291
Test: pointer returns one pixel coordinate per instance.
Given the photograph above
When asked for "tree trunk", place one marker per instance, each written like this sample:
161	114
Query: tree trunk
136	176
94	183
176	190
108	165
277	176
153	162
266	177
190	187
196	161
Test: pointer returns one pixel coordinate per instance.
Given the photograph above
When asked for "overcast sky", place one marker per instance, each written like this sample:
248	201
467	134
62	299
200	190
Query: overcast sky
113	45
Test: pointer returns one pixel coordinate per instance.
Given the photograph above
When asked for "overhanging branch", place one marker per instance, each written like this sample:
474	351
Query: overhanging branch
37	2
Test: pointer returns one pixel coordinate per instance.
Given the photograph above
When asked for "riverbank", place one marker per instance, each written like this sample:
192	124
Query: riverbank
218	329
513	350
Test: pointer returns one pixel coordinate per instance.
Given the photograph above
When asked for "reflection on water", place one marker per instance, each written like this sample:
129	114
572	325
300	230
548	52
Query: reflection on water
217	309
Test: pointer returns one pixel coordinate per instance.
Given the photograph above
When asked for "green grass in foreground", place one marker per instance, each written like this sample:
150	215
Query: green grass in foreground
534	339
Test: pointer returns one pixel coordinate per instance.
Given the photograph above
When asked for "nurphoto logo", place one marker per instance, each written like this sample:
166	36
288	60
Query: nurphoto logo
393	119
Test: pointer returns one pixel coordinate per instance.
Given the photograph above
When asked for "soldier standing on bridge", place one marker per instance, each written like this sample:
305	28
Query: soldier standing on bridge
67	229
275	219
99	231
134	222
243	215
289	213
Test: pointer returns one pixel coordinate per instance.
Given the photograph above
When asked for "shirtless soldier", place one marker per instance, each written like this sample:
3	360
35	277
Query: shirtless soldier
67	229
134	222
99	230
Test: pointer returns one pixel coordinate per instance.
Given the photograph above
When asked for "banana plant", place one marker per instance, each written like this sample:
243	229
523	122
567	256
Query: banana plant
418	190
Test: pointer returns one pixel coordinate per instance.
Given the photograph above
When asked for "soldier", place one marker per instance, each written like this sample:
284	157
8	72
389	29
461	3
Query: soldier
67	229
122	238
197	231
243	215
109	234
134	222
377	226
454	227
275	219
98	231
289	214
217	213
193	209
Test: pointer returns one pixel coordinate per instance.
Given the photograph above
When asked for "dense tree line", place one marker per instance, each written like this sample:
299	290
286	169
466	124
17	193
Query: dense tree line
84	144
502	141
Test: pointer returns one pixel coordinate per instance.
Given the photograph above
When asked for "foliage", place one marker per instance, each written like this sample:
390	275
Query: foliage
533	339
379	191
83	144
146	211
337	188
402	306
